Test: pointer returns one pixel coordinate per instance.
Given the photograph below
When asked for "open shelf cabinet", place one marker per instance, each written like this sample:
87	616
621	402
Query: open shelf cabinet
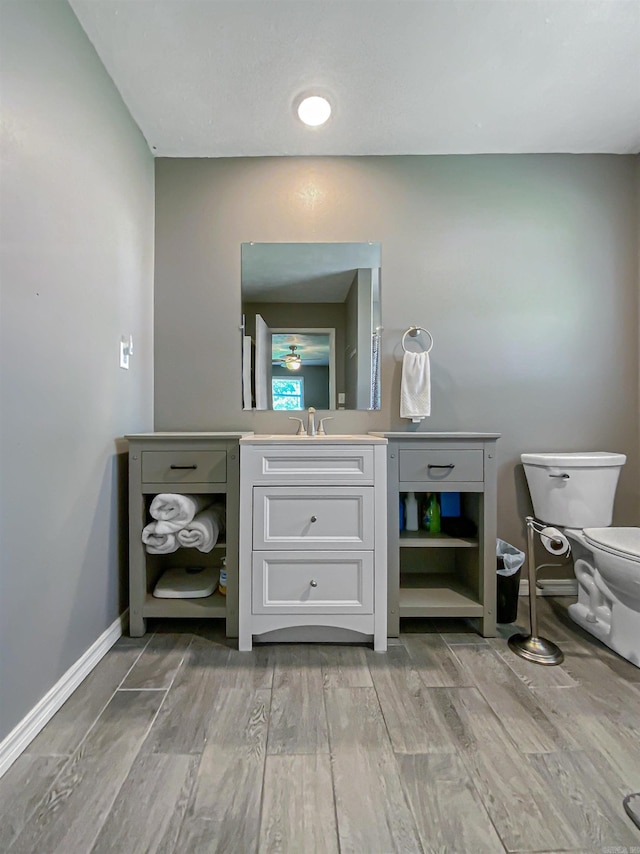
183	463
452	573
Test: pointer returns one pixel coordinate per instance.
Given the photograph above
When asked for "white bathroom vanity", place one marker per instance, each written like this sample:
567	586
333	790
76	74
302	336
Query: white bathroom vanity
313	527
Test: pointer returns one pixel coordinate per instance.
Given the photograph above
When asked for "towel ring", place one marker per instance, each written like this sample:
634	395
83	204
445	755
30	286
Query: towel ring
413	332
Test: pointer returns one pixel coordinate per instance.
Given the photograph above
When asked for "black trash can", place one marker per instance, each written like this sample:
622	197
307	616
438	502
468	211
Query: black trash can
508	588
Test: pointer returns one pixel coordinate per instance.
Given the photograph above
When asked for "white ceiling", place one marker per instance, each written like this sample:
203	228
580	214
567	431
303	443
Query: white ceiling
218	78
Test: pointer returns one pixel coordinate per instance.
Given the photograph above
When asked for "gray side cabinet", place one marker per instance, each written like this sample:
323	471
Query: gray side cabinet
196	463
450	574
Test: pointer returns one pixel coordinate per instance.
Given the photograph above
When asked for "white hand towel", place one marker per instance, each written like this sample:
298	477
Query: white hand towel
173	511
415	387
158	544
202	532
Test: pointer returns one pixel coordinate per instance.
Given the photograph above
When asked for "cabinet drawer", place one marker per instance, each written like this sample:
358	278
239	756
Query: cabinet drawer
184	466
321	465
312	582
440	466
312	517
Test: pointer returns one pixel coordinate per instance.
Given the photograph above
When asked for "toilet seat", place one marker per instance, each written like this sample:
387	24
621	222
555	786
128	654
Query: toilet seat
621	542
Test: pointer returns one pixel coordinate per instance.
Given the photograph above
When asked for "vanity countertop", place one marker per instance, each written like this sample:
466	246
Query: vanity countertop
329	439
187	434
400	434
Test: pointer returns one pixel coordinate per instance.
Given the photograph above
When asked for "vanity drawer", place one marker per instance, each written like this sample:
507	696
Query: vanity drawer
312	517
441	466
184	466
318	582
321	465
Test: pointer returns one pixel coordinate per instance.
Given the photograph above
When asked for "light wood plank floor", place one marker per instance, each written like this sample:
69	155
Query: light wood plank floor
177	743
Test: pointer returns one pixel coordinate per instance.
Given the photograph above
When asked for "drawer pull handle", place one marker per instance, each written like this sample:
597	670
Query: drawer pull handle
194	466
313	582
314	518
436	466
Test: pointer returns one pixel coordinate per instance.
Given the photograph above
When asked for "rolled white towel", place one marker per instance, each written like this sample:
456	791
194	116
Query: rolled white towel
202	532
173	511
158	544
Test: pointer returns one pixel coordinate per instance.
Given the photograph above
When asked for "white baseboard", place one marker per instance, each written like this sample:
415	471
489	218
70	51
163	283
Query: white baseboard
551	587
23	734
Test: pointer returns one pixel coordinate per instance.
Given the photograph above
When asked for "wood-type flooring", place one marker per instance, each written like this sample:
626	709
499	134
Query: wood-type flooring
178	743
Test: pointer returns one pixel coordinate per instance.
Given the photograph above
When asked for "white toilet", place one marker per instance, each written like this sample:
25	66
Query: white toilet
575	493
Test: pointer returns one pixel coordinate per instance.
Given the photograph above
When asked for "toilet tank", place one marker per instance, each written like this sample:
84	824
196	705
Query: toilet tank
574	490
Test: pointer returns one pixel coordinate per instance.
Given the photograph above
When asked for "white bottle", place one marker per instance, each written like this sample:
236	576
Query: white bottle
411	508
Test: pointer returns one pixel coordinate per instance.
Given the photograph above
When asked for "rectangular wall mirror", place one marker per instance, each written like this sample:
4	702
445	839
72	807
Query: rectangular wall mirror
311	323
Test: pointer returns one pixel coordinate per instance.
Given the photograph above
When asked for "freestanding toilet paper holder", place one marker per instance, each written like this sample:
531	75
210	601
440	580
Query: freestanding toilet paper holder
531	646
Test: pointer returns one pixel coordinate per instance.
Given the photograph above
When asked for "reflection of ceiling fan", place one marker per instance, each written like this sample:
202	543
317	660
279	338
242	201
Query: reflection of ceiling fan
292	361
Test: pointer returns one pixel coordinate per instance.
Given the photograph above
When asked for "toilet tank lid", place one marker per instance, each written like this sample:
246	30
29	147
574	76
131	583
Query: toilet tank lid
586	459
625	541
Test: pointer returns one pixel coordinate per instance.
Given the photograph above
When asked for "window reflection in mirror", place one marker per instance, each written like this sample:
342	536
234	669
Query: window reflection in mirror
311	313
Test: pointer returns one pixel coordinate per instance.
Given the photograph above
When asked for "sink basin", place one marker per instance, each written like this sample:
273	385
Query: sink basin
358	438
288	437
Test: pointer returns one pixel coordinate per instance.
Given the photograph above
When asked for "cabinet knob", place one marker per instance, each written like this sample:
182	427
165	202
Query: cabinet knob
313	582
314	518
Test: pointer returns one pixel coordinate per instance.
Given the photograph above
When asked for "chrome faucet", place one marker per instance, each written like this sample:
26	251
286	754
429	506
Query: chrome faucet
311	423
301	431
321	430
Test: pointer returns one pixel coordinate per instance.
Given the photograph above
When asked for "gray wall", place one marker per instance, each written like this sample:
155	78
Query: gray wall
524	268
77	273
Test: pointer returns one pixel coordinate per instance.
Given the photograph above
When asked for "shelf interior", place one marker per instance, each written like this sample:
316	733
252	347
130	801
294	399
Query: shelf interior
209	606
424	539
436	595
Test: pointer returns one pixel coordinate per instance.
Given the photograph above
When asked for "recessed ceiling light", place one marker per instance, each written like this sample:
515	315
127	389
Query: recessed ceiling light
314	110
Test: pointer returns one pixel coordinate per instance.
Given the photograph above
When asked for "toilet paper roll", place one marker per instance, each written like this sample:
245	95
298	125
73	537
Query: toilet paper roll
554	541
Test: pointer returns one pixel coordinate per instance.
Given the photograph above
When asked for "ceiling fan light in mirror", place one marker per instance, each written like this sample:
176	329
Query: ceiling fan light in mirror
293	361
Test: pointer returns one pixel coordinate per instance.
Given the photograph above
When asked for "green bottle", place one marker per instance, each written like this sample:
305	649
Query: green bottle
432	516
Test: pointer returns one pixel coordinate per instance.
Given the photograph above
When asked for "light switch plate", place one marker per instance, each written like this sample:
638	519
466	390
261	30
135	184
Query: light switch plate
124	355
